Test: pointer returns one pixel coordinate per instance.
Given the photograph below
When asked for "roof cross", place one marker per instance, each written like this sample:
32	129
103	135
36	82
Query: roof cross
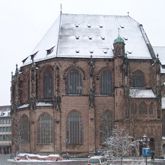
118	31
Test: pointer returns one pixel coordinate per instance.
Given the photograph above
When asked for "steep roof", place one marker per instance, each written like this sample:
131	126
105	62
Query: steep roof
80	36
160	50
141	93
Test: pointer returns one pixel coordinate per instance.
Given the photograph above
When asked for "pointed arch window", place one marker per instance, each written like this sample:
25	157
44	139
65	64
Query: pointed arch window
48	84
106	126
138	79
74	82
151	109
45	129
106	83
163	125
133	108
74	129
142	109
24	129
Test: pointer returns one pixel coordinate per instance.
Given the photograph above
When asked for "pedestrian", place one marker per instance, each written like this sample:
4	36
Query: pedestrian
152	155
67	155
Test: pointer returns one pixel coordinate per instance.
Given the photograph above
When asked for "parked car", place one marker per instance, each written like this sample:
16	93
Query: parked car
97	160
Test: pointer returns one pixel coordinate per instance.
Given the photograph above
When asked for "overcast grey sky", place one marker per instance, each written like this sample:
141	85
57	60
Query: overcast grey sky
24	22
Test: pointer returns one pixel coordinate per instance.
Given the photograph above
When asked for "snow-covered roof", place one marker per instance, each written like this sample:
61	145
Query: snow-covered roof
44	104
162	69
160	50
5	114
141	93
5	111
38	104
163	103
80	36
23	106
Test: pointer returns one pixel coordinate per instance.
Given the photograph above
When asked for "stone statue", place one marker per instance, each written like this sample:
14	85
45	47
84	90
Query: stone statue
91	97
91	67
58	103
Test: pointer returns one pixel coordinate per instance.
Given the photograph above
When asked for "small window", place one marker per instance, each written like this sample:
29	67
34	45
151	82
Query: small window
77	51
77	37
105	52
103	38
49	51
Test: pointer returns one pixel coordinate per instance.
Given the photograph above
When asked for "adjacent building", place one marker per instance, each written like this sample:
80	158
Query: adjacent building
5	130
89	73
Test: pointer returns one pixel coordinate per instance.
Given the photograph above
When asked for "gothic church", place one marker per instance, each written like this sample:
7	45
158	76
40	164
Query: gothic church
88	73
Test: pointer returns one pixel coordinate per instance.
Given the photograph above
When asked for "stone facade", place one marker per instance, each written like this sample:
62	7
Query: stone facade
138	115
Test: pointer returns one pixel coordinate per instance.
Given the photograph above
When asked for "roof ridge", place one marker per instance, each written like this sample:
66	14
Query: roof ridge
95	14
156	46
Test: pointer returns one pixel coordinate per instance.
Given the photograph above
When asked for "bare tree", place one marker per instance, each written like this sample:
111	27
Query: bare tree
119	144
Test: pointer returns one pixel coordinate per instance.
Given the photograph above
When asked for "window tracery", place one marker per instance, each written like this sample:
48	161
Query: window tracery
24	129
74	82
106	83
138	79
74	129
45	129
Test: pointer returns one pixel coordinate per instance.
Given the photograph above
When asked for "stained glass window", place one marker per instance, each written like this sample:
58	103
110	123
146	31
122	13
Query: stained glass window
138	79
106	83
74	82
45	129
48	84
24	129
74	129
106	125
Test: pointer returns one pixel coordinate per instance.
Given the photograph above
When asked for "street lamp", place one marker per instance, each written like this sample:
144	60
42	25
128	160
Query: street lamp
145	150
145	141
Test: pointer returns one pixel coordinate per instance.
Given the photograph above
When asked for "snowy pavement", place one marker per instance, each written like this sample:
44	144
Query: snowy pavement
135	161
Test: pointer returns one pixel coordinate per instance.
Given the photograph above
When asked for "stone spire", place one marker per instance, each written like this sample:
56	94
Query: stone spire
119	46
